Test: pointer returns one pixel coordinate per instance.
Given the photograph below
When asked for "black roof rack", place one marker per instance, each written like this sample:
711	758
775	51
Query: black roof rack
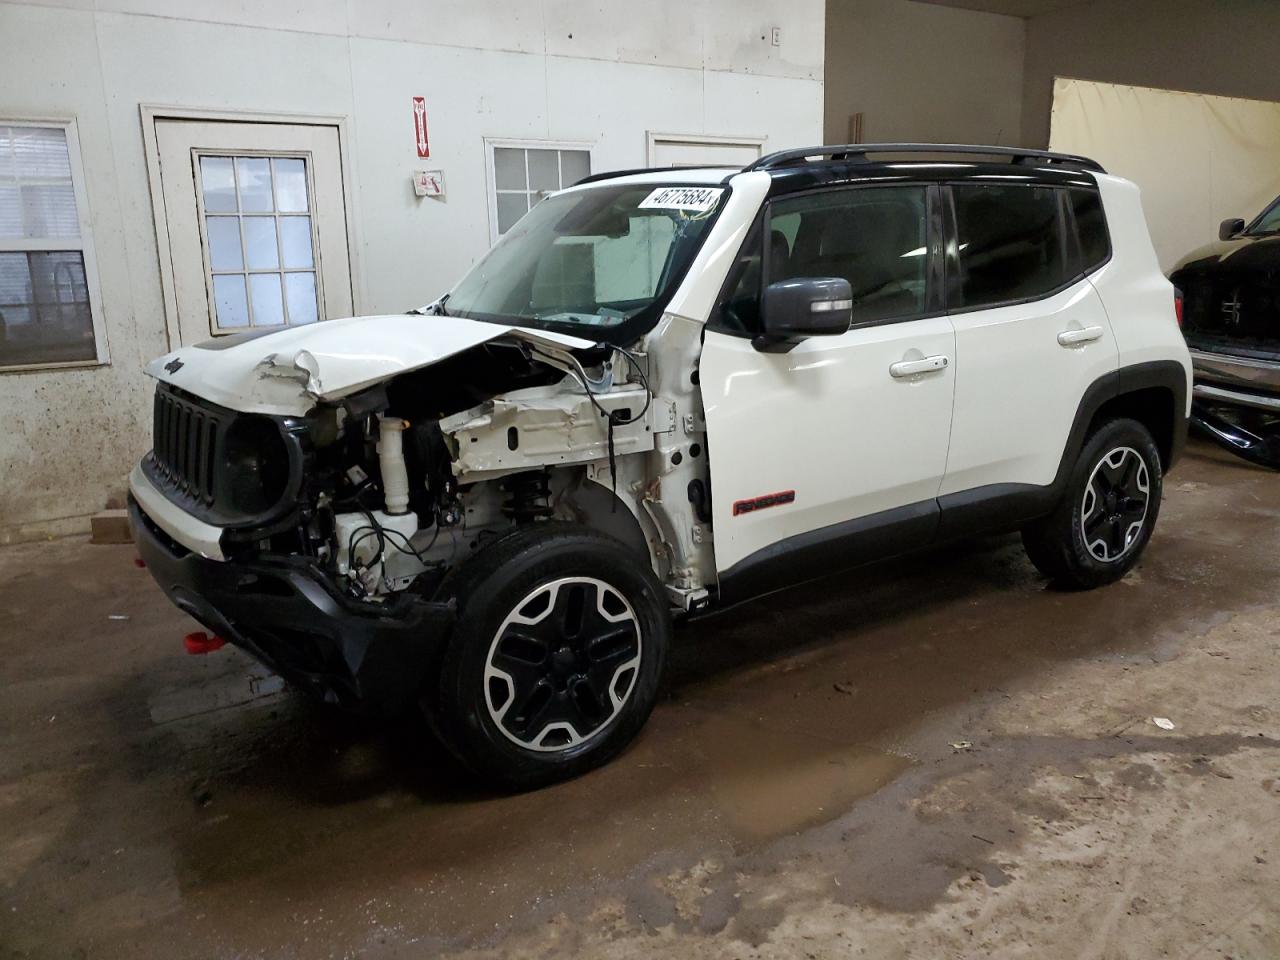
857	152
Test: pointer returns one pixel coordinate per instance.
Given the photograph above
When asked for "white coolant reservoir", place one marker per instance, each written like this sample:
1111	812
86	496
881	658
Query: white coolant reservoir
395	478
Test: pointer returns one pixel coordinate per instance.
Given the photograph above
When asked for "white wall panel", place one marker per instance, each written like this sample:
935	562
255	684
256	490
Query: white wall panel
783	111
480	24
614	104
305	16
659	32
739	37
488	68
412	249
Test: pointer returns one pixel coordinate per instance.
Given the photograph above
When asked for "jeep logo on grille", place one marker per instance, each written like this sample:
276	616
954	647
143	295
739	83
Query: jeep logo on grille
174	365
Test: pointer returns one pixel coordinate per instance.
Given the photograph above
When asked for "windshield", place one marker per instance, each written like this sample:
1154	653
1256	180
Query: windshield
1268	222
597	263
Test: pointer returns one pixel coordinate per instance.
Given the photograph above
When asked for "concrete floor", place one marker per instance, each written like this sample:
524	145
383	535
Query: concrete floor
933	758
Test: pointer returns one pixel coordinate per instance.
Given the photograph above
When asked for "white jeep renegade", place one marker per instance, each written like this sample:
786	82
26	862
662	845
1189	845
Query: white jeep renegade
662	391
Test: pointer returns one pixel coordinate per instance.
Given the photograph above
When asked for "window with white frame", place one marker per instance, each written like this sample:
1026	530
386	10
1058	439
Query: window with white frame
259	241
48	310
525	173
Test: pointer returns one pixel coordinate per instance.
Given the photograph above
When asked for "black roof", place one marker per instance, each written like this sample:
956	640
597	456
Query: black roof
860	152
807	167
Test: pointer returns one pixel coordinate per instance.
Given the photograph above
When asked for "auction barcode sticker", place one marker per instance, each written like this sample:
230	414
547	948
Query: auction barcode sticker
682	198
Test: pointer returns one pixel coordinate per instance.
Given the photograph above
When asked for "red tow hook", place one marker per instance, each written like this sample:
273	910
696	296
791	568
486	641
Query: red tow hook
201	642
140	563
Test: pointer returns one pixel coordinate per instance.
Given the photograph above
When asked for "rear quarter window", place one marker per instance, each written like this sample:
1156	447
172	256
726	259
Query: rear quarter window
1011	244
1091	229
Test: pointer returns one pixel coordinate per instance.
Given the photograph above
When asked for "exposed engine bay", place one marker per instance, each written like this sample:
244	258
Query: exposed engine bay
404	480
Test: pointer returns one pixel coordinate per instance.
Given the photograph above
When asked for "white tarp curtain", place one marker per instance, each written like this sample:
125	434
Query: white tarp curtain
1198	159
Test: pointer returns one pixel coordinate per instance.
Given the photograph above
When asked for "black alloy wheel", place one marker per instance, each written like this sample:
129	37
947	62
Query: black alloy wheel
563	663
556	656
1115	504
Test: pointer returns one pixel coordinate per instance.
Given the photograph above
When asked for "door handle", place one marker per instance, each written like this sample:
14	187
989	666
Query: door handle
909	368
1069	338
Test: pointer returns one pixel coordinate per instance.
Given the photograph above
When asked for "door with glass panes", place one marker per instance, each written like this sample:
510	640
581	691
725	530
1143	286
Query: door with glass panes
256	223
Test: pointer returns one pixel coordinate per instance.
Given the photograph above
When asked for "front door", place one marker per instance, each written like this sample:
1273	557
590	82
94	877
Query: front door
836	448
256	225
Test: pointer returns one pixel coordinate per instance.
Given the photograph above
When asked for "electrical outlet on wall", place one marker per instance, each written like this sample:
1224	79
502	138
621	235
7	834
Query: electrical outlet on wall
776	38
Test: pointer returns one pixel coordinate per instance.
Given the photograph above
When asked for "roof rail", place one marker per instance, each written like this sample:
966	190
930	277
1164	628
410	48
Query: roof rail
857	152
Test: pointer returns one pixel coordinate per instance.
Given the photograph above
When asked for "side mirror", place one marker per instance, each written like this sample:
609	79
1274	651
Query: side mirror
804	307
1229	228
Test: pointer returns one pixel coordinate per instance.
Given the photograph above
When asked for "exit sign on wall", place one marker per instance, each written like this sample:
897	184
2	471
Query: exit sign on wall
420	126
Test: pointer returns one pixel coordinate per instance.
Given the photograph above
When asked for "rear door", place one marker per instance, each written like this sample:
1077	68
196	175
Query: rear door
832	442
1031	332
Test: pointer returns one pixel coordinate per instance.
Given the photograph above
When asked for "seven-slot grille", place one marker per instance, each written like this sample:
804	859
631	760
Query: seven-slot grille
185	441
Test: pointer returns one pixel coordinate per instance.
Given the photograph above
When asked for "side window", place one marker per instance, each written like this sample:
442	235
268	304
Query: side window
874	237
1091	228
1010	241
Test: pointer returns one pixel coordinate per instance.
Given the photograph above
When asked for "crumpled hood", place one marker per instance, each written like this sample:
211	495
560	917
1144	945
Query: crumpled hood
284	372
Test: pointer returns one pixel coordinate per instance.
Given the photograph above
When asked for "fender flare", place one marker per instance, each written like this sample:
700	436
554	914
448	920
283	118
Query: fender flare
1167	374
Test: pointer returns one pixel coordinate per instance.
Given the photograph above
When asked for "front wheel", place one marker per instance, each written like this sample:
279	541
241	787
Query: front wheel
554	662
1108	512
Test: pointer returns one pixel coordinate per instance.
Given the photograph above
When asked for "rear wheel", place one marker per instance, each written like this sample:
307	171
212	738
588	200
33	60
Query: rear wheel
554	663
1108	512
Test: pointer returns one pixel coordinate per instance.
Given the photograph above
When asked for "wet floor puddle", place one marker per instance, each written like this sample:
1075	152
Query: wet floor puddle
696	783
764	783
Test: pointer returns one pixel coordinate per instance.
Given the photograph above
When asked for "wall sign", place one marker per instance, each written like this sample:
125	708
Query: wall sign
428	183
420	126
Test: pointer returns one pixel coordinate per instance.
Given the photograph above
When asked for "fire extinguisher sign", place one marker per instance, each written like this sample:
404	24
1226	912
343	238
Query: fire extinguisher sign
420	126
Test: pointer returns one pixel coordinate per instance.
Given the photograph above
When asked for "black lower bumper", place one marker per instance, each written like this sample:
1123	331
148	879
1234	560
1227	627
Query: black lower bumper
368	656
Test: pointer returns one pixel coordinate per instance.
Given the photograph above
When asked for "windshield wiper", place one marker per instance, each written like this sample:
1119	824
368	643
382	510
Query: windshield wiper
434	309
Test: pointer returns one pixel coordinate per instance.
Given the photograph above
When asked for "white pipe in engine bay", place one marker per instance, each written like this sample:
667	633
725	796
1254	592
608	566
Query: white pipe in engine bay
395	476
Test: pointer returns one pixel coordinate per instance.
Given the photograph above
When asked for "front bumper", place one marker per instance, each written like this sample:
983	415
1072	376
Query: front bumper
282	611
195	534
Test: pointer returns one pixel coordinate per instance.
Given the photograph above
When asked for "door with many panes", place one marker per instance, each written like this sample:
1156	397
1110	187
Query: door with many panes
256	223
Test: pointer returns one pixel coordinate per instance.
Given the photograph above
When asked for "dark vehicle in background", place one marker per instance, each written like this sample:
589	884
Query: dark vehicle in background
1229	304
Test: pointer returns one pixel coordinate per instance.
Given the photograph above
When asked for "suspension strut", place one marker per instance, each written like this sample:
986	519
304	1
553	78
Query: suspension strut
528	496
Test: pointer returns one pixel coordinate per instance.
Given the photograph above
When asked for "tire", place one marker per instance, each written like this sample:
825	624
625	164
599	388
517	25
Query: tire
1105	518
554	663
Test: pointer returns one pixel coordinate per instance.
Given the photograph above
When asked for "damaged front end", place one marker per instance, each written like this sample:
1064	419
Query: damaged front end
322	542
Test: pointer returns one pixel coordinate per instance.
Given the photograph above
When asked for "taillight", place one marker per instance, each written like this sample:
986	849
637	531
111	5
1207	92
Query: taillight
1177	305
